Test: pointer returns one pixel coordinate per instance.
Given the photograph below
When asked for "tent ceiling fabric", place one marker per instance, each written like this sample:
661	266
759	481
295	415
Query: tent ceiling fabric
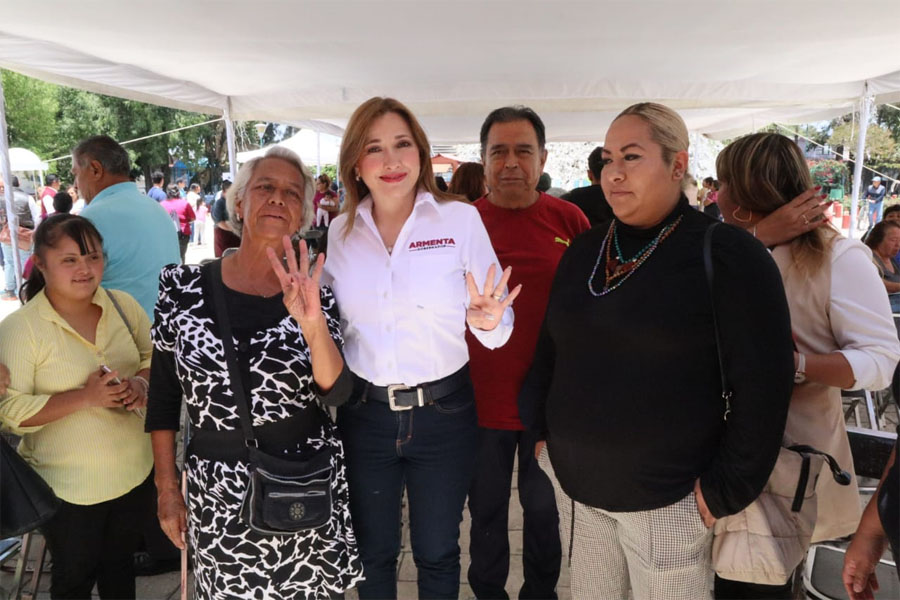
726	66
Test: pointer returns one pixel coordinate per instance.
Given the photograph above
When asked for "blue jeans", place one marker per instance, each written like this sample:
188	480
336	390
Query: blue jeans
895	302
431	450
9	269
875	212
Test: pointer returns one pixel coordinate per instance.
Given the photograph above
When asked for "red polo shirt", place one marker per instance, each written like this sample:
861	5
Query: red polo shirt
531	240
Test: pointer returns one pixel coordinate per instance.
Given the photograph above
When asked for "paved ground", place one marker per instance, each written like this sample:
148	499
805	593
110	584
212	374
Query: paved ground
166	586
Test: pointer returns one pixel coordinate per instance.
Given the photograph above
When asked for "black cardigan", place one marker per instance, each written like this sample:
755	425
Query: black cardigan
627	388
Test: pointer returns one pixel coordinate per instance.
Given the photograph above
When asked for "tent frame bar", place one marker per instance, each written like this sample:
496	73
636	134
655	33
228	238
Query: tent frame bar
6	174
864	111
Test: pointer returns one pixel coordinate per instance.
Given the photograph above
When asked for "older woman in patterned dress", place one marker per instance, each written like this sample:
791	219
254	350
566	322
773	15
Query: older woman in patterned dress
287	338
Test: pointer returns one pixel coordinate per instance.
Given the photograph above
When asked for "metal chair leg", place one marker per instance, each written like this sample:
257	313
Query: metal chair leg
38	570
21	564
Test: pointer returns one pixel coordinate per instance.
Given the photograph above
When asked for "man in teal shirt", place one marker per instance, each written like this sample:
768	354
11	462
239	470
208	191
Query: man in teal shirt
138	237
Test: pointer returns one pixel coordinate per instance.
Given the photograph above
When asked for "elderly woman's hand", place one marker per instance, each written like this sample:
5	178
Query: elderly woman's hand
802	214
172	515
301	290
4	379
485	310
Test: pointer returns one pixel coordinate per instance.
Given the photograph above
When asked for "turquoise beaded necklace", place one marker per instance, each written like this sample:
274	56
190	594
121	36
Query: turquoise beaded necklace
617	270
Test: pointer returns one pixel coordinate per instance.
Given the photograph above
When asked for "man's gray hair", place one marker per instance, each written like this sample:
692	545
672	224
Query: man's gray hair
245	174
105	150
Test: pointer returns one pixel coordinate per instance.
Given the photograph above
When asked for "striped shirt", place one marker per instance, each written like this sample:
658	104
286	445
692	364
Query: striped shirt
93	454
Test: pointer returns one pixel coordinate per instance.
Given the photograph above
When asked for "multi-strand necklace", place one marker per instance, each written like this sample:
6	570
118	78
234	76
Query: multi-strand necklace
617	269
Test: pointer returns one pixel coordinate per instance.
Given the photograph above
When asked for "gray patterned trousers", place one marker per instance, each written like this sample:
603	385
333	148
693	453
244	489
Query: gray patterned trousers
659	554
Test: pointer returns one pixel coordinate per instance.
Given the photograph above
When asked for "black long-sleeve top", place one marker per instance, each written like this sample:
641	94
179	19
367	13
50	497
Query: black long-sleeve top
627	386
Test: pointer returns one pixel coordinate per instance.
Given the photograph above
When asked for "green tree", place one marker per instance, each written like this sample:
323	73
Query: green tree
31	107
880	144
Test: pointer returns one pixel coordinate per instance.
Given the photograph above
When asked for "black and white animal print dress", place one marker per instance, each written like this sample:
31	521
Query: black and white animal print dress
230	560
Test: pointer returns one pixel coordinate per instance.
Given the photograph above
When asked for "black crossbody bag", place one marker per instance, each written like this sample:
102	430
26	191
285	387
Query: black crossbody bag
283	496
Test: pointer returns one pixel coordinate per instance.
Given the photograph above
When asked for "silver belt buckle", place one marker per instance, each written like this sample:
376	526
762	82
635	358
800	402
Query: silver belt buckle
400	388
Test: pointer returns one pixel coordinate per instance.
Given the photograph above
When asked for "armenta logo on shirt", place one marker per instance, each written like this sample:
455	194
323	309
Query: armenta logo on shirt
435	244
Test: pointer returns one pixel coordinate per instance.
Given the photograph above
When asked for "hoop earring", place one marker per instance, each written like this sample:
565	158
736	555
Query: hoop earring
735	216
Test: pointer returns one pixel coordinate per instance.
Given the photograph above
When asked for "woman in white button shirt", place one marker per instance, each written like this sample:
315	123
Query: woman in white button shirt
403	259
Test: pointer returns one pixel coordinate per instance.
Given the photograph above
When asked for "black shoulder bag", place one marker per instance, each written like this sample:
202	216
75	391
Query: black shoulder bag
26	500
283	496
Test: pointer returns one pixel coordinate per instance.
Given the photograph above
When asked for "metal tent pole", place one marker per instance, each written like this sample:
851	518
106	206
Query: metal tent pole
864	109
318	154
229	135
6	174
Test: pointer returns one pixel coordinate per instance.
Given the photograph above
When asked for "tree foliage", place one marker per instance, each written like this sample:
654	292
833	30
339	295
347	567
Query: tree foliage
31	107
50	120
880	144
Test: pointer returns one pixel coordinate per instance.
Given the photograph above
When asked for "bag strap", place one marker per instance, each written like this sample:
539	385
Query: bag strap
213	273
710	282
119	310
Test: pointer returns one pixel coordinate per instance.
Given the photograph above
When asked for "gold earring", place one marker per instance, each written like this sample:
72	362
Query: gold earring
734	214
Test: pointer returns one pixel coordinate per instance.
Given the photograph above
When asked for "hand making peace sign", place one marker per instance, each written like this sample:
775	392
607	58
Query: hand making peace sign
485	310
301	290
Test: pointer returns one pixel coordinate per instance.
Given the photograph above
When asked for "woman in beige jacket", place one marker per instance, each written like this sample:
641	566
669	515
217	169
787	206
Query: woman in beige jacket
843	331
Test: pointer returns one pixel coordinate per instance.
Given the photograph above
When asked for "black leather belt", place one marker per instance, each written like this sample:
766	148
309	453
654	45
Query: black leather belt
406	397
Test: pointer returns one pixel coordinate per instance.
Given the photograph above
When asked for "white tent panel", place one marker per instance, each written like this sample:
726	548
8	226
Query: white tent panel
575	62
21	159
304	144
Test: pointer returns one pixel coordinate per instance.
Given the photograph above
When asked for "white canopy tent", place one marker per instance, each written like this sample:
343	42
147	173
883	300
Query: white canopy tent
27	163
728	67
312	147
21	159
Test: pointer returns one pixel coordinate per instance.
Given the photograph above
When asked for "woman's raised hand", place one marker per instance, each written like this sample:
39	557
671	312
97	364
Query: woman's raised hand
802	214
486	310
301	290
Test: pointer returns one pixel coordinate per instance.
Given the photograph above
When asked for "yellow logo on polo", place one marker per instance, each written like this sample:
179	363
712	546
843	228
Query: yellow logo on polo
562	241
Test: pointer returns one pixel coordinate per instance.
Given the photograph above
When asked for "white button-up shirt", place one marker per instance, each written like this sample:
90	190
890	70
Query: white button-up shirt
403	314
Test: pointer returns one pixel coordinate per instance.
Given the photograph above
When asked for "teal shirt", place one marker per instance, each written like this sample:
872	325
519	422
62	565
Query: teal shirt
138	240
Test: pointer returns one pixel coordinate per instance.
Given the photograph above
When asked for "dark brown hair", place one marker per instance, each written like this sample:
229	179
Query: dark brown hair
879	232
48	234
468	181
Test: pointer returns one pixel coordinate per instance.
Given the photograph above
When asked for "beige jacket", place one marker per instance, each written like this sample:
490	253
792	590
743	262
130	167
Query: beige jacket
869	342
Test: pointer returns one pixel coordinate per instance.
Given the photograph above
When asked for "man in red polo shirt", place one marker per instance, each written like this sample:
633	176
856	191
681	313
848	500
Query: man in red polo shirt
51	186
529	231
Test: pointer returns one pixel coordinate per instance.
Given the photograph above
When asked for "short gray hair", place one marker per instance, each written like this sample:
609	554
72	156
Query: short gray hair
245	174
106	151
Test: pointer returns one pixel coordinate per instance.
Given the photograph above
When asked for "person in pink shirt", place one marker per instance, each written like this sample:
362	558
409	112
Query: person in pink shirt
182	216
200	224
